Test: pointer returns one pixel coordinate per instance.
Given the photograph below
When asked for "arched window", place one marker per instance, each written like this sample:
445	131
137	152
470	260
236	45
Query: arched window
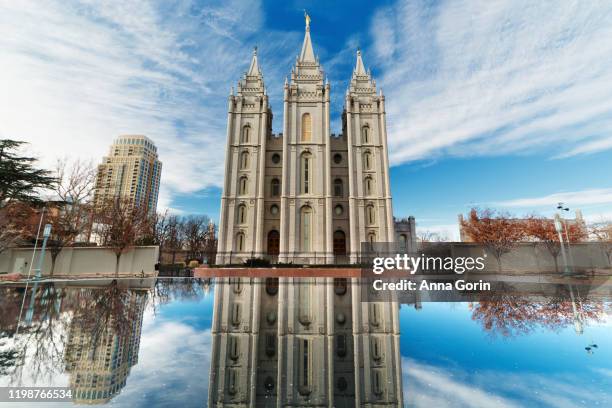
242	214
244	160
403	241
365	134
242	188
370	214
339	243
246	134
368	186
240	242
306	228
234	348
275	187
306	173
367	160
304	369
338	188
372	237
306	127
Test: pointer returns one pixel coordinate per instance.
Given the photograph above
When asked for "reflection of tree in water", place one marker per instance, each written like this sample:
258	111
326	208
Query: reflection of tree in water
10	355
104	341
94	333
512	315
167	290
40	342
106	310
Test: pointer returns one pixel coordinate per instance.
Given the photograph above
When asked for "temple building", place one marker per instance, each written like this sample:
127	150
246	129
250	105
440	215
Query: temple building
306	195
293	342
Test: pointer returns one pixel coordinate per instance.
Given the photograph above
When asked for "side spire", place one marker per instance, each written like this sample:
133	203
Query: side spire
359	67
254	68
307	54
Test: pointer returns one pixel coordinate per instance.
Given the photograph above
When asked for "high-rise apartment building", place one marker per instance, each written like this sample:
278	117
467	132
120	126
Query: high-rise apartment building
131	170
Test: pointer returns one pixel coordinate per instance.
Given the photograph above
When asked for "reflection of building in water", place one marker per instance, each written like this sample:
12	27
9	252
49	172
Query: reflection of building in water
99	362
303	342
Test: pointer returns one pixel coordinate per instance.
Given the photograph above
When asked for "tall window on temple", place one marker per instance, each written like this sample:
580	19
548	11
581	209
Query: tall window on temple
236	314
403	242
246	134
234	348
241	214
306	127
232	381
377	382
338	188
367	160
365	134
304	368
306	228
370	214
368	186
240	242
242	187
244	160
304	304
306	170
375	349
275	187
372	239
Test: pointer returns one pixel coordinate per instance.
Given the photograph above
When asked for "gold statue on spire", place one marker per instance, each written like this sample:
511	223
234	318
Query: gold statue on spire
307	18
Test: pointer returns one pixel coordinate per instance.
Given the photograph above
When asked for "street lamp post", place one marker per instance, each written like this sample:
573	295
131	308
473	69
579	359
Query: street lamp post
559	229
562	207
46	234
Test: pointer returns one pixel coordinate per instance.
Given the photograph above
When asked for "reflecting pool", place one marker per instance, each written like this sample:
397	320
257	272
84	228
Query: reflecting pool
300	342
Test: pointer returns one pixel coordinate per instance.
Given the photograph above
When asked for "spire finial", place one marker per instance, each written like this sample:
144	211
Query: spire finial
307	18
255	50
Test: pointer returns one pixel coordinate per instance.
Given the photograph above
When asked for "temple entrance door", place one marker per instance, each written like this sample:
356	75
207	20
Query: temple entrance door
273	242
339	243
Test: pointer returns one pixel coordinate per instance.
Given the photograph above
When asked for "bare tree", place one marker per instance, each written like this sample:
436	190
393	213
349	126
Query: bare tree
602	232
174	239
498	232
431	236
69	216
121	225
544	230
195	230
210	248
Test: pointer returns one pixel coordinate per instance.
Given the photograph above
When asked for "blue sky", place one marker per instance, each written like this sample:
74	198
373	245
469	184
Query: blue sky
504	105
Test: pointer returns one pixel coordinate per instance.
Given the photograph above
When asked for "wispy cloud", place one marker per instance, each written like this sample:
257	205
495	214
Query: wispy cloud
571	198
77	74
467	78
431	386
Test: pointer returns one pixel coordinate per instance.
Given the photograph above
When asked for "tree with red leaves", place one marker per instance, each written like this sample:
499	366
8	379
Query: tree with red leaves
498	232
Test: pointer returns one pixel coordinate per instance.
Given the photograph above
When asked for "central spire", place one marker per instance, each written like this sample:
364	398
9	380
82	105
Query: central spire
254	68
359	67
307	54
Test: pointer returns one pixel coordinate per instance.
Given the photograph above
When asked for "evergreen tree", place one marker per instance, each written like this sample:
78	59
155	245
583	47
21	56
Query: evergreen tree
19	178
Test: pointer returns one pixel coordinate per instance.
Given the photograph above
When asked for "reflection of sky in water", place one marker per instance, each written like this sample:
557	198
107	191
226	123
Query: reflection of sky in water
448	360
174	358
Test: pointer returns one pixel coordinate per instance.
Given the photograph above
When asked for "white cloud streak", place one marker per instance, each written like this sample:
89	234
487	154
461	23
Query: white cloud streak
430	386
468	78
570	198
75	75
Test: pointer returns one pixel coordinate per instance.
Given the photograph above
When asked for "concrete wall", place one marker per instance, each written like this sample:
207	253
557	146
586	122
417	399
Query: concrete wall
82	261
528	257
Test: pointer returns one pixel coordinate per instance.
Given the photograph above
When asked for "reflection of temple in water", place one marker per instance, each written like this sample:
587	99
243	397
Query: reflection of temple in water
99	361
303	342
